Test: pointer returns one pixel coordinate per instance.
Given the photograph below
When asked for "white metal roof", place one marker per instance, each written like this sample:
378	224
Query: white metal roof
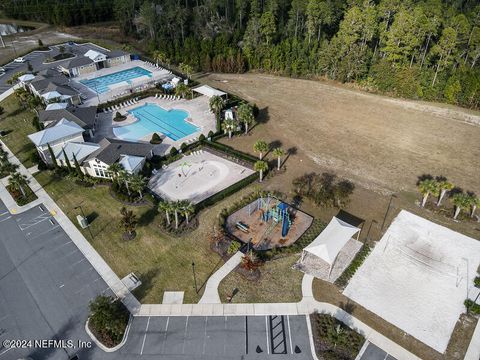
80	150
51	95
331	240
209	91
62	129
56	106
26	77
95	55
130	162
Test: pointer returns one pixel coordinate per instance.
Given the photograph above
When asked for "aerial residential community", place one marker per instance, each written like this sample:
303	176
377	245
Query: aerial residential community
243	179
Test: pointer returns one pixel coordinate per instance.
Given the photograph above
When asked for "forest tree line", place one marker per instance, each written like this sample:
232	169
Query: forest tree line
426	49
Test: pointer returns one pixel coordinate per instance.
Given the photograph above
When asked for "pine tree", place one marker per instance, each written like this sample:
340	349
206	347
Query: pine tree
52	156
77	167
67	161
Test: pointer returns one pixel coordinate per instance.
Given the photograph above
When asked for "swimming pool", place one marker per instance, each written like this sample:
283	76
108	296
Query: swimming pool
102	84
152	118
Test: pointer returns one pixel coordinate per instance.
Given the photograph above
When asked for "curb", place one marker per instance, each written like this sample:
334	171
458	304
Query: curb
103	347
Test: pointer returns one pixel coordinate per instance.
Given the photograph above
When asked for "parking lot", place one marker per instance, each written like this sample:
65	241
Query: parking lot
219	337
373	352
45	284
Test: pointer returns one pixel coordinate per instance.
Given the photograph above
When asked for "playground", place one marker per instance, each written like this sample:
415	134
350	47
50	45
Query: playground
268	223
196	177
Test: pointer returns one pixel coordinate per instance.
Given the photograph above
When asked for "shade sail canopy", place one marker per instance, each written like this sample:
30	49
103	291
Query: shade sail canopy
209	91
331	240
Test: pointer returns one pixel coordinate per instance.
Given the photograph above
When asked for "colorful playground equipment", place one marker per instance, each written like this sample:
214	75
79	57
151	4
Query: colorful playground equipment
274	210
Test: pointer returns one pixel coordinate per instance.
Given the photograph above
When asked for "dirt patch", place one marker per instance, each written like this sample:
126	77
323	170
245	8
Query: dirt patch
384	144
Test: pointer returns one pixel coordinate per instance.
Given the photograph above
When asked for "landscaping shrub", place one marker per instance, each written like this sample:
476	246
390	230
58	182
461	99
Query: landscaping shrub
210	134
230	151
472	307
108	320
119	117
156	139
354	265
183	147
200	138
333	339
173	151
18	196
476	281
234	247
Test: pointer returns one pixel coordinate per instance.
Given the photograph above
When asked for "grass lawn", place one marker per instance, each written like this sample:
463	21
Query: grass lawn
278	283
18	124
163	262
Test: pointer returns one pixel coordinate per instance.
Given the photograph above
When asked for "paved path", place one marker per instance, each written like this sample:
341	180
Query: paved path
210	295
113	281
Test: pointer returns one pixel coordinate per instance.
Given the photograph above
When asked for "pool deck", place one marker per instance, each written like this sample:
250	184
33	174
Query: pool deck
197	109
158	75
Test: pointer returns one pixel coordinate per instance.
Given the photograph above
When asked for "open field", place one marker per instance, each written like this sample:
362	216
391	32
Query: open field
382	143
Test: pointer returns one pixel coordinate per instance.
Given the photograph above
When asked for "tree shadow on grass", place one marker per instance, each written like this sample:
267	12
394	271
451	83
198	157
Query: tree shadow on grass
147	283
424	177
348	307
147	217
262	118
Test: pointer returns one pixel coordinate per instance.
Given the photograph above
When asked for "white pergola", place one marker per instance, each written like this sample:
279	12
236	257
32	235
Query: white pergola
209	91
331	240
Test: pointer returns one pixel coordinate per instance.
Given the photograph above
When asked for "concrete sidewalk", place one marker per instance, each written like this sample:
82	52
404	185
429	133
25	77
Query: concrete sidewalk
210	295
107	274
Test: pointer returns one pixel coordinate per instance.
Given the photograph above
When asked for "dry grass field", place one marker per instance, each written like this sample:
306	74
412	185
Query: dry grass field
381	143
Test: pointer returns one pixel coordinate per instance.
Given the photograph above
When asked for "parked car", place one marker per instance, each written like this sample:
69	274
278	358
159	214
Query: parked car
20	59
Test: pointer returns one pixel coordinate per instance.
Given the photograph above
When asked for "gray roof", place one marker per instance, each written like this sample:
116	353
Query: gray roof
62	89
116	53
76	62
45	80
82	116
111	150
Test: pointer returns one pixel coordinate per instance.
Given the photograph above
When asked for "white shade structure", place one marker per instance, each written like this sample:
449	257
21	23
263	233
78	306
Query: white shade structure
331	240
209	91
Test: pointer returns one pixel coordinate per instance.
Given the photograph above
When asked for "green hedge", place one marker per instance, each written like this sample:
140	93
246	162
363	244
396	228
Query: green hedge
226	192
354	265
230	151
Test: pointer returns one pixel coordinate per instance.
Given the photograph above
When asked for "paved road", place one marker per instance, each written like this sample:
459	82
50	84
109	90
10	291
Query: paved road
36	59
45	284
373	352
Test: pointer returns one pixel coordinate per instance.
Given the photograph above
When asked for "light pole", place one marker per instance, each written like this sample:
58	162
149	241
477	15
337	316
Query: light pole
388	209
194	277
83	214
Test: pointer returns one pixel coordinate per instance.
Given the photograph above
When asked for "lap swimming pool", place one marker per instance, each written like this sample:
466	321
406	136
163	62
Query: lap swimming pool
152	118
102	84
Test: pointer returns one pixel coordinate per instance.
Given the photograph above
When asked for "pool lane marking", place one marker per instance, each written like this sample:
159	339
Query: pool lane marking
289	334
266	331
145	336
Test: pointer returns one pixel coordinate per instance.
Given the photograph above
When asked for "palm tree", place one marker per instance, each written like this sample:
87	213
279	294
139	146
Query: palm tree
128	222
278	152
261	167
261	147
181	90
167	208
461	201
137	183
216	105
443	187
124	176
475	204
115	169
187	209
160	57
229	126
186	69
427	187
176	208
18	181
245	115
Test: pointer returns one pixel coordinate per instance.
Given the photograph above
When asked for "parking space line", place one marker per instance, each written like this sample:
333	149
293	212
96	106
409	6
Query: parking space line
79	261
246	335
225	340
289	334
266	331
185	336
145	336
205	335
45	232
58	247
6	218
4	213
165	337
3	352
